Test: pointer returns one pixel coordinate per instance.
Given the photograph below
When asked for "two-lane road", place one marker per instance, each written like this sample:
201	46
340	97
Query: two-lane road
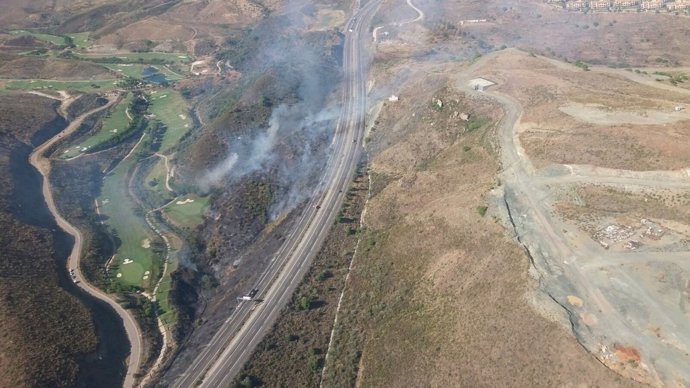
43	165
234	342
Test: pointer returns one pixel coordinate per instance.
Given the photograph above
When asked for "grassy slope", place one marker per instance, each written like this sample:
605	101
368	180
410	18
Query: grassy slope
143	57
80	39
171	109
157	173
131	228
167	313
54	39
85	86
187	215
116	122
135	70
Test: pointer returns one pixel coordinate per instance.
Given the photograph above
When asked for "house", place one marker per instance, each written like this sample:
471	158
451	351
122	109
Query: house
599	4
575	5
626	3
653	4
678	5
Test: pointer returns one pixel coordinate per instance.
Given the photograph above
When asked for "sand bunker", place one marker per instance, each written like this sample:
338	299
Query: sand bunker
127	261
601	115
186	201
575	301
146	243
119	275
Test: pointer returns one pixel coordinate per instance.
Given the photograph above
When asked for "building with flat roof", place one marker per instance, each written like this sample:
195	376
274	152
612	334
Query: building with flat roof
599	4
575	5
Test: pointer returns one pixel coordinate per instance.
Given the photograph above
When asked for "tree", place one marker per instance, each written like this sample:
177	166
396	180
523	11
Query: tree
248	382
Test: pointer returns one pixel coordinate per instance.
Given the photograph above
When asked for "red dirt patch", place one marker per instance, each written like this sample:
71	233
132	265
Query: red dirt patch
626	354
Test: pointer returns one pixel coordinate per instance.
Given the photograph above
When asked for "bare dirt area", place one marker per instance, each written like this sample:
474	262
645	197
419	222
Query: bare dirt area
632	219
598	117
439	293
609	245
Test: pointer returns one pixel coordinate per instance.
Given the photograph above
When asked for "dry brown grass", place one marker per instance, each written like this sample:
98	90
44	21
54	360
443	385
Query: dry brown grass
38	68
29	13
438	294
549	135
588	205
237	12
153	29
292	353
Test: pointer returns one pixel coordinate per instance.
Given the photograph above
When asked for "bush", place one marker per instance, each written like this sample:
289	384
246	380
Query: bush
582	65
482	210
476	123
304	303
325	274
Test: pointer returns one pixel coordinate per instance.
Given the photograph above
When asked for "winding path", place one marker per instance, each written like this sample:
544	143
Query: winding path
567	262
420	16
168	173
43	165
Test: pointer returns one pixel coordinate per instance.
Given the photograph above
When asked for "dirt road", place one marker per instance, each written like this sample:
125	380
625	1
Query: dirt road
43	165
624	306
168	173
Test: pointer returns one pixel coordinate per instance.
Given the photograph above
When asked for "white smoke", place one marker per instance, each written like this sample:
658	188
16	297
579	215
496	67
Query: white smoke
219	171
245	158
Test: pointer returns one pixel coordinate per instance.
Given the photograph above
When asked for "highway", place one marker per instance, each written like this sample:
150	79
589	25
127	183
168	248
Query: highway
223	357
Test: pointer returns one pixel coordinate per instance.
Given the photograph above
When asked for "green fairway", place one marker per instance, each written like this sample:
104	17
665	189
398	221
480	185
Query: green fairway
187	211
80	39
154	58
54	39
134	258
170	108
136	70
155	181
167	313
133	70
117	122
83	86
170	74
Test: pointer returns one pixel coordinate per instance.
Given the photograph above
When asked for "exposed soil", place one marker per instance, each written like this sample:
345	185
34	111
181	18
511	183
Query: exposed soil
635	126
440	295
621	276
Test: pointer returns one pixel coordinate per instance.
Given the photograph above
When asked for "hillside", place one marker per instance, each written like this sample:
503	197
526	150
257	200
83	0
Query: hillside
38	348
503	139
